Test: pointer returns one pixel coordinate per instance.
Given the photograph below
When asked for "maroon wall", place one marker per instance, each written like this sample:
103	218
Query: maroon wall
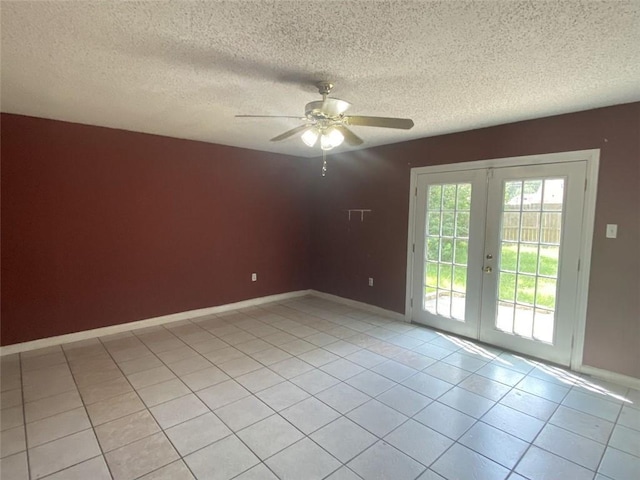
102	226
344	254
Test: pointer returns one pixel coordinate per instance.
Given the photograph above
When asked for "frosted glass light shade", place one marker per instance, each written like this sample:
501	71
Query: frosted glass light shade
310	137
331	138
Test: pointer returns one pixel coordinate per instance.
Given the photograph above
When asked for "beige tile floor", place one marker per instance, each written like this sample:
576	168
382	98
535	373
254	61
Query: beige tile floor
306	389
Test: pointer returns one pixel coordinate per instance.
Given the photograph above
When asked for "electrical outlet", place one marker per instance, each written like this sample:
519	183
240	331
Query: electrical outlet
370	281
612	230
254	277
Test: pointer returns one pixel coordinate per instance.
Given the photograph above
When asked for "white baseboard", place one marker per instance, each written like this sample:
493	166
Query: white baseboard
361	305
149	322
174	317
606	375
612	377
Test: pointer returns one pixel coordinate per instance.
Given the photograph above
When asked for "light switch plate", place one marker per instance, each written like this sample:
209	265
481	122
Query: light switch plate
612	230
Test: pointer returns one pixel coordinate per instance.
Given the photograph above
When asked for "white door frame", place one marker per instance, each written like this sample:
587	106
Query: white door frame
592	159
477	179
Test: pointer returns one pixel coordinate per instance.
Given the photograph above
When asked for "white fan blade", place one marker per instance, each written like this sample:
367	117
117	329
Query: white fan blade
292	132
384	122
350	137
270	116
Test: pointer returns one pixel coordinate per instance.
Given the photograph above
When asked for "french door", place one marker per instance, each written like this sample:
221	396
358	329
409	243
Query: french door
496	254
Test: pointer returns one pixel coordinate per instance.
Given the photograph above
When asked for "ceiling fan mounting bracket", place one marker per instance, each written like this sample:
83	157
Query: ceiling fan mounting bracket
324	88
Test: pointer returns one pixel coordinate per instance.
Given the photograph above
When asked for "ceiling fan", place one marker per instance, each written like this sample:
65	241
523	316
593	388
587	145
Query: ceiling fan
325	120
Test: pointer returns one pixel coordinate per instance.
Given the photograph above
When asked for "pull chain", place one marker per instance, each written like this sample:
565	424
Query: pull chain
324	163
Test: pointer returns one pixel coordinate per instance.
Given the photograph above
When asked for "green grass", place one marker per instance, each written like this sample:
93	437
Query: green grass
528	265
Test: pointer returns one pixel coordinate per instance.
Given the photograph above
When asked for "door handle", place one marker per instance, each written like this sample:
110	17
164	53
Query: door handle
488	269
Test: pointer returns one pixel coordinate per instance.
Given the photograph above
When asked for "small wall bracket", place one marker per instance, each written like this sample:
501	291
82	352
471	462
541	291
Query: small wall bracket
361	211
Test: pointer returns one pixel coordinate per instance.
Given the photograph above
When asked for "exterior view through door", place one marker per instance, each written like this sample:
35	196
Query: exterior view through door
496	254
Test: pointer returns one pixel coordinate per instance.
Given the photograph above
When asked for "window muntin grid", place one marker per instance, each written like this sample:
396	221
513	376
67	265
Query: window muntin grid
446	249
531	227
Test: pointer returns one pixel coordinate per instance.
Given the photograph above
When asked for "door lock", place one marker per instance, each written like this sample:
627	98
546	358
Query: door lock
488	269
489	256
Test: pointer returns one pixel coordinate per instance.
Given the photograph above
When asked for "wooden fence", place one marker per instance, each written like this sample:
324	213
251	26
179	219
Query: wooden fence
543	227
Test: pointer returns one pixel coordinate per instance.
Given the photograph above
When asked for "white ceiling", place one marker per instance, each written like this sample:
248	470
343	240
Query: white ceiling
184	69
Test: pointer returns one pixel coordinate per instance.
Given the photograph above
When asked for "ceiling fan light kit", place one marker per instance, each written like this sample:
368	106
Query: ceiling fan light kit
310	137
326	120
331	138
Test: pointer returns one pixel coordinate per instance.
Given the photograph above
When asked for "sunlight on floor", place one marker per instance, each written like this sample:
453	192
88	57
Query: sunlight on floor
470	347
576	380
564	376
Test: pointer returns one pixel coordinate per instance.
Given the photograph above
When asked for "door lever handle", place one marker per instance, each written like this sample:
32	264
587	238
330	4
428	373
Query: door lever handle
488	269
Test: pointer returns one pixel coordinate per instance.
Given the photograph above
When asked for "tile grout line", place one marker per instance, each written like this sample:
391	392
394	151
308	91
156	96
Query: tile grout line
606	447
61	437
532	444
233	433
305	436
147	409
64	353
86	411
278	413
342	414
24	417
316	368
478	419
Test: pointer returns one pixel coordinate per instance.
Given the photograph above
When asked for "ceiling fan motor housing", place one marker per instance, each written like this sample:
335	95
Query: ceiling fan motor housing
329	108
313	110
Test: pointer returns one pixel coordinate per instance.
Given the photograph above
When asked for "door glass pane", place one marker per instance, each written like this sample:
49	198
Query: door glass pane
433	220
432	274
531	227
528	259
511	226
433	248
435	197
461	252
446	249
543	325
464	197
462	224
430	299
504	316
458	305
512	195
551	228
509	257
531	194
553	194
448	224
507	291
444	303
525	289
523	325
444	276
449	194
548	265
459	278
546	293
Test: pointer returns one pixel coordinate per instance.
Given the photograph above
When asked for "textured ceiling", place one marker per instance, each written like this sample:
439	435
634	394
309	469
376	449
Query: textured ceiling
184	69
